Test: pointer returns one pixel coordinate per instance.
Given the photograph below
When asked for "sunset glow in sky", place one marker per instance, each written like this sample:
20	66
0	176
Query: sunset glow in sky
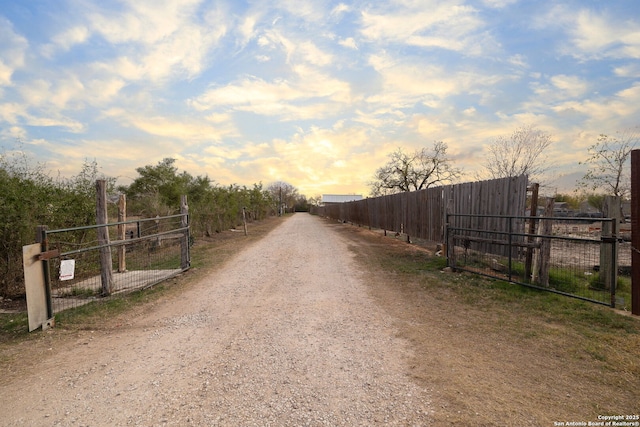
314	93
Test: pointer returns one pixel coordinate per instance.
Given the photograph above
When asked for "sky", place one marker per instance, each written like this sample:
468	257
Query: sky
313	93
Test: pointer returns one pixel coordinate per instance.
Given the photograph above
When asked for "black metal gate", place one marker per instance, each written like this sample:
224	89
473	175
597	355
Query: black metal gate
568	256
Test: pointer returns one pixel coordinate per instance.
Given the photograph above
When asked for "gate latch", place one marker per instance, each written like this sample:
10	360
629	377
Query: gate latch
49	254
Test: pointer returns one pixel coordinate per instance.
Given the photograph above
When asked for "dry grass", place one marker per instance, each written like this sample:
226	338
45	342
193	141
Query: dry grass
499	354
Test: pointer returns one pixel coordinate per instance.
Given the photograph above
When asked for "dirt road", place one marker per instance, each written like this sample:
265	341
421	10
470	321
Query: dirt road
283	335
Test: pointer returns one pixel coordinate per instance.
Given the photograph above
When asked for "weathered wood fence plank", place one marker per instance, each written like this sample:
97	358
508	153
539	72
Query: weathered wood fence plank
422	214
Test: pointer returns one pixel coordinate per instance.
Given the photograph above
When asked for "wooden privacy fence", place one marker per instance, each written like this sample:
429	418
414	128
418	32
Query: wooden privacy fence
422	214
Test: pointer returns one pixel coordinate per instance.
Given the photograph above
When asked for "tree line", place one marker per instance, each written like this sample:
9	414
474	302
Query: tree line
31	196
525	151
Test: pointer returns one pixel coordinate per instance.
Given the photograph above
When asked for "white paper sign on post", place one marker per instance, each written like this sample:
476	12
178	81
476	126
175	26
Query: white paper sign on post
67	269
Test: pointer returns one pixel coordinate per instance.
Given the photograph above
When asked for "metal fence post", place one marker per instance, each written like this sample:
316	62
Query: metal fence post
510	244
533	213
41	237
450	242
184	223
635	232
614	266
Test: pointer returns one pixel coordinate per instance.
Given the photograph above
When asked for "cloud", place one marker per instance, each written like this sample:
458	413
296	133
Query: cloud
312	55
498	4
250	90
142	21
340	9
449	25
606	35
66	40
349	42
125	155
560	88
317	156
16	114
573	86
407	82
13	48
158	41
55	120
10	112
283	98
518	60
58	94
296	50
594	34
629	70
246	29
13	132
186	131
618	111
309	11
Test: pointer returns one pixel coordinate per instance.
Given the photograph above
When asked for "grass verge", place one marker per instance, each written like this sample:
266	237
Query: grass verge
495	353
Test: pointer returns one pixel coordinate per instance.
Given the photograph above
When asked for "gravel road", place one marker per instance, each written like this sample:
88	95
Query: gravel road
284	334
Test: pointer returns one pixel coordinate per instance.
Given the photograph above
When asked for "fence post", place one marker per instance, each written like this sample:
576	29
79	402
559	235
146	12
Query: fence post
635	232
544	256
122	229
608	264
41	237
103	237
449	242
185	262
244	220
533	213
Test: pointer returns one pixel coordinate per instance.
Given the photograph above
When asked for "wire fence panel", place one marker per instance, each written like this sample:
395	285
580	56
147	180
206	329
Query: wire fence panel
582	263
152	251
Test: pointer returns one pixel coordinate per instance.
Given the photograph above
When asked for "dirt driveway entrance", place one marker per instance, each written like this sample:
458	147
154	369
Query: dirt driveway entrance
284	334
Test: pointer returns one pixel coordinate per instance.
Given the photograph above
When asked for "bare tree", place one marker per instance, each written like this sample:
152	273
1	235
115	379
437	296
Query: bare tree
521	153
283	194
608	163
416	171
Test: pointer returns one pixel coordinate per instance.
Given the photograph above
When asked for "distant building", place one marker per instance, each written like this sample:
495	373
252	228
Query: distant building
561	209
328	199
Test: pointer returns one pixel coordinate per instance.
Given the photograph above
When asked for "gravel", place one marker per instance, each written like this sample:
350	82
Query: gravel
284	334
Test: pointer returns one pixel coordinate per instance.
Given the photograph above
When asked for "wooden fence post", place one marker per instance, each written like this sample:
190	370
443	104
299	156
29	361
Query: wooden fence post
185	261
635	232
544	256
103	237
244	220
122	233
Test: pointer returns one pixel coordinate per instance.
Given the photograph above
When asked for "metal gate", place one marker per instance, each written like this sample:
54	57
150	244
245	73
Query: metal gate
568	256
78	267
